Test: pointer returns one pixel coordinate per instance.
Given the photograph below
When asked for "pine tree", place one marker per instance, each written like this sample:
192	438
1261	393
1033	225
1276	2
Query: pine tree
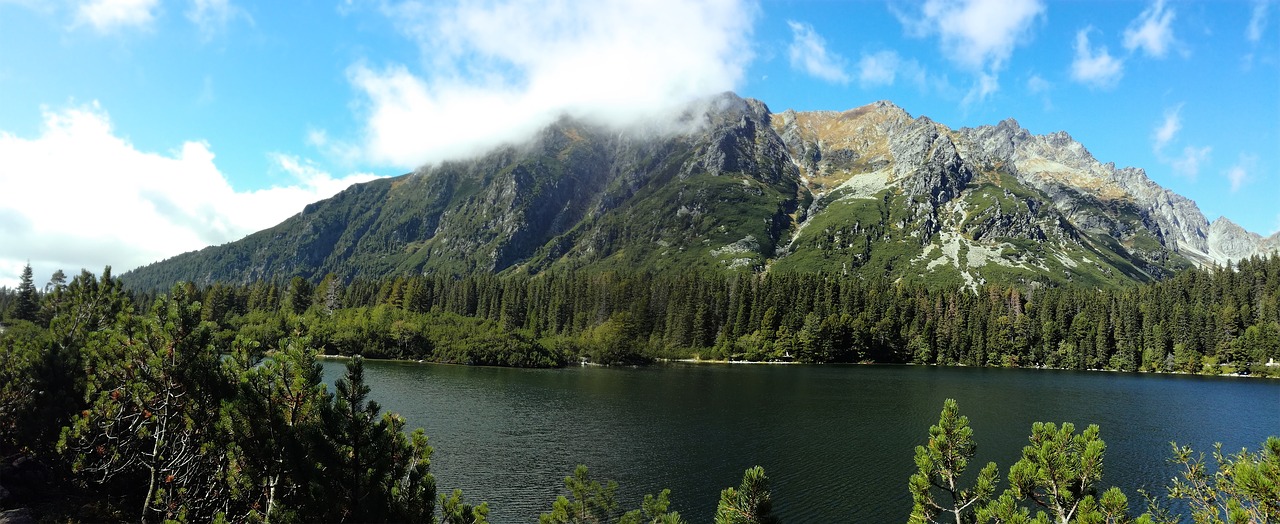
1059	472
589	501
153	390
453	510
271	422
750	503
941	463
299	298
1245	488
376	473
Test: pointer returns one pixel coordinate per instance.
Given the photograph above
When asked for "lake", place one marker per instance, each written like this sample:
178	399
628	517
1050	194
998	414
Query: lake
836	441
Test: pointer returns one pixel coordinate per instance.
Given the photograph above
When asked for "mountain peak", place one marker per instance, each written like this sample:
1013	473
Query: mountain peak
1009	125
1228	242
731	186
1225	223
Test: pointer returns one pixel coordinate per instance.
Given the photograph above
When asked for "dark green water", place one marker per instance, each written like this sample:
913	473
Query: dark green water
836	441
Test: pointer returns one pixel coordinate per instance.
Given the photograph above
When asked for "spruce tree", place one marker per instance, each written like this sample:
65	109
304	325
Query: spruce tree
27	306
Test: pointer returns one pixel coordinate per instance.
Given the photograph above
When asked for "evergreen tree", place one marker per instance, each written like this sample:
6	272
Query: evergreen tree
273	423
21	391
589	501
374	473
653	511
27	306
54	294
299	297
940	463
453	510
1244	489
1059	472
153	388
750	503
56	281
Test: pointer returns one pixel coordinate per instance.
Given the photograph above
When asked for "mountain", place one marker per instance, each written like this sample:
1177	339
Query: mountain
730	186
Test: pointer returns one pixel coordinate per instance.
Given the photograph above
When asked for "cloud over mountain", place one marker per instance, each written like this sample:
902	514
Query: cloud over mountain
492	72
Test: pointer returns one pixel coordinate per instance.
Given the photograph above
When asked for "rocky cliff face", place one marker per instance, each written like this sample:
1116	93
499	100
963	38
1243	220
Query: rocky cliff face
731	186
1227	241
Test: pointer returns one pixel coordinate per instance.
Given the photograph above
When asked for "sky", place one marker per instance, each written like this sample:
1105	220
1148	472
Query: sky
135	130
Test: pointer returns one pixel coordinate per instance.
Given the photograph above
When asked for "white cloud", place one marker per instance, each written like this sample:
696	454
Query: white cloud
212	16
495	71
1257	20
885	68
109	15
979	35
1036	84
1237	176
1192	158
1165	132
1239	173
1152	31
808	53
984	86
1095	68
1188	165
80	196
878	69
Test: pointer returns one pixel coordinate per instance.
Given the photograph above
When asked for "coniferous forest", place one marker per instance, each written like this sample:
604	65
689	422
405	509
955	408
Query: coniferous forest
206	402
1218	320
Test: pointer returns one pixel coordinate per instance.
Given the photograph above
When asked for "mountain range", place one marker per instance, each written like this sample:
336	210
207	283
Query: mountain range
730	186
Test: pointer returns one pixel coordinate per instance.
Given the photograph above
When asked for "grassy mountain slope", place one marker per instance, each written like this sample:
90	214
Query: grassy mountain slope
731	187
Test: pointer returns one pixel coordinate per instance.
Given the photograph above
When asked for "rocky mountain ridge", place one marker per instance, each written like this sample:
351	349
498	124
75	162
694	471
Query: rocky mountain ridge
732	186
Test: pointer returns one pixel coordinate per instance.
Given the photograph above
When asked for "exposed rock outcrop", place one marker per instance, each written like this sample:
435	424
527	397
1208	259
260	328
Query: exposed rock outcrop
870	189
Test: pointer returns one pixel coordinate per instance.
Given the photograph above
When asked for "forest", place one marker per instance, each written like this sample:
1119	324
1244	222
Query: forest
1211	321
207	403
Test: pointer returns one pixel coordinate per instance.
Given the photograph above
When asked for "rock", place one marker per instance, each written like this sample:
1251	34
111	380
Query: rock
579	193
1228	242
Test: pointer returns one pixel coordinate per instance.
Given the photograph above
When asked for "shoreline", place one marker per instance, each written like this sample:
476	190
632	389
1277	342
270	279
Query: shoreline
706	361
699	361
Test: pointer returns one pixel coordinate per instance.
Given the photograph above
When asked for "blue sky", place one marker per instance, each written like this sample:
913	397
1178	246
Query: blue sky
134	130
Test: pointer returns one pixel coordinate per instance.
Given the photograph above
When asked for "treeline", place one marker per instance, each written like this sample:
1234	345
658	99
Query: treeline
1216	320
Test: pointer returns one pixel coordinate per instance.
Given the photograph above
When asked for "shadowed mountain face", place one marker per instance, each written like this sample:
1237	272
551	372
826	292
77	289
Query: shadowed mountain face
732	187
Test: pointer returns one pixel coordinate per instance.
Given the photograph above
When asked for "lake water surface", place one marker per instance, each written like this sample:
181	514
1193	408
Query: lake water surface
836	441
